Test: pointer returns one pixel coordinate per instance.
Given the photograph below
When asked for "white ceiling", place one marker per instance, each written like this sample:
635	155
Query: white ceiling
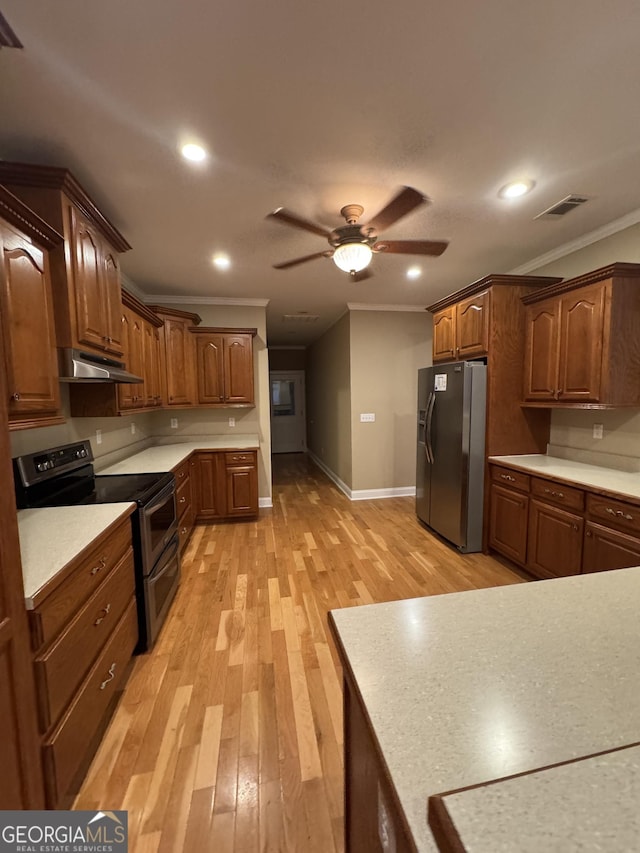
315	105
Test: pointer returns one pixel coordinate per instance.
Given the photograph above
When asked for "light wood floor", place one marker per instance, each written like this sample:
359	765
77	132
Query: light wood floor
229	734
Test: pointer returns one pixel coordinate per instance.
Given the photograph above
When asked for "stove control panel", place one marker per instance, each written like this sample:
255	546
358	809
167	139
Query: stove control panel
46	464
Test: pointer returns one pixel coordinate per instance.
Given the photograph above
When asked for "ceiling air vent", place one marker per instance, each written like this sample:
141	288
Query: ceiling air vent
562	207
7	36
302	317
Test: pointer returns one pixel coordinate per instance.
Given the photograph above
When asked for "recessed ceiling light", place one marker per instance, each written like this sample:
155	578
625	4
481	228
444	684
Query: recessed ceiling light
221	262
193	152
516	189
414	272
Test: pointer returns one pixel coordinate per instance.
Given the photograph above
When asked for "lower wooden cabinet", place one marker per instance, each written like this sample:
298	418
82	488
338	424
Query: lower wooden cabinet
185	501
225	484
553	529
554	546
84	631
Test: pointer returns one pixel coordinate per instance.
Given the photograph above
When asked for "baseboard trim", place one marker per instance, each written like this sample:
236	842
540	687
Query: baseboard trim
265	503
362	494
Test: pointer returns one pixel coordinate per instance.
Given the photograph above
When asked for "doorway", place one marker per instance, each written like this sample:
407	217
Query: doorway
288	419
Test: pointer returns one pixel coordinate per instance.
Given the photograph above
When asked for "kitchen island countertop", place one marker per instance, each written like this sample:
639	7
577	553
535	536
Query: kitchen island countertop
165	457
464	688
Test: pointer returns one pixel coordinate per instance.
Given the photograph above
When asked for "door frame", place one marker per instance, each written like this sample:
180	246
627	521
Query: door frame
290	374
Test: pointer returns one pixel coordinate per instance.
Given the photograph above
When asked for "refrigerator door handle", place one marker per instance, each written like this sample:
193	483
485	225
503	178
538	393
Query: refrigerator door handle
428	447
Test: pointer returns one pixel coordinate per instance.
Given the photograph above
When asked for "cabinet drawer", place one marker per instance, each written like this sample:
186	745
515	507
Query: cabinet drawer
66	749
557	493
183	497
186	527
181	472
240	457
606	549
510	478
60	670
613	513
83	576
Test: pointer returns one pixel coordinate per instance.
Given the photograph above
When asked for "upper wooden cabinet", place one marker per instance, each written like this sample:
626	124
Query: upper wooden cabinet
224	366
179	356
140	333
580	336
85	270
461	331
26	316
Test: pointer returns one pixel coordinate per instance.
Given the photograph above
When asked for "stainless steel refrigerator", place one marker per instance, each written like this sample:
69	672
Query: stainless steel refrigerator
450	459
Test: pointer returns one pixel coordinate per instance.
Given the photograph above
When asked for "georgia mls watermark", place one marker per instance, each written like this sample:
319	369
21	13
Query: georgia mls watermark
63	832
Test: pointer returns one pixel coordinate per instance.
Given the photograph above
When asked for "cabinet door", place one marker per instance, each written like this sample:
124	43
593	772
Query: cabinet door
152	363
608	549
88	280
472	326
27	327
179	363
555	541
238	369
131	396
112	296
444	335
542	341
210	368
582	318
126	391
508	523
210	490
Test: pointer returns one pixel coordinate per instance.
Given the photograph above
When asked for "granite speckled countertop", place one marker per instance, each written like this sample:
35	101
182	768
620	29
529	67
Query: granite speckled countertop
53	536
165	457
607	480
470	687
597	810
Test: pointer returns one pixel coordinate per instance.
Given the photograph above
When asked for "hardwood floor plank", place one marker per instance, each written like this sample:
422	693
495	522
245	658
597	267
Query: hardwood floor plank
228	736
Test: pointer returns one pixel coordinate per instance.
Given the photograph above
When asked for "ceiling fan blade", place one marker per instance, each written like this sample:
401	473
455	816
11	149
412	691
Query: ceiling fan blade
286	264
362	275
283	215
404	202
411	247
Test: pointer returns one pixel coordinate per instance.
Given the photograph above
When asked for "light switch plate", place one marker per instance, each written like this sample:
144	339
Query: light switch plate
367	417
98	436
133	429
232	422
598	430
174	423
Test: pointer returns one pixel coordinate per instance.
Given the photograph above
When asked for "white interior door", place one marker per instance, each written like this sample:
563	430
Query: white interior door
288	423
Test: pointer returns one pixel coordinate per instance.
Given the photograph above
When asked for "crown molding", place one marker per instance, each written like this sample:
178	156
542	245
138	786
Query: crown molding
132	287
205	300
362	306
605	231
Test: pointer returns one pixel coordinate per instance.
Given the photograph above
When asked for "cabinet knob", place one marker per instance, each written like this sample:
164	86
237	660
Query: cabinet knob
182	500
574	526
588	533
15	396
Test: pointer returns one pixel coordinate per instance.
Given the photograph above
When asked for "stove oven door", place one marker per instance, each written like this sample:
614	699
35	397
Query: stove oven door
158	525
160	588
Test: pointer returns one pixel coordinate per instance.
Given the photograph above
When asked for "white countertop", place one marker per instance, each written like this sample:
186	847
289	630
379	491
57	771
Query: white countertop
607	479
474	686
165	457
52	536
588	805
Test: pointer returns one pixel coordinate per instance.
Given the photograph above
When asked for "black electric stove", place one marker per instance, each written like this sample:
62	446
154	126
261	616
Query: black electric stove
64	476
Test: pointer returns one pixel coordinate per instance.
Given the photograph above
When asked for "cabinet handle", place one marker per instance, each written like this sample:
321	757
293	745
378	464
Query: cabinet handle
183	531
588	533
181	474
182	500
508	477
553	494
111	676
99	567
15	396
105	612
619	513
574	526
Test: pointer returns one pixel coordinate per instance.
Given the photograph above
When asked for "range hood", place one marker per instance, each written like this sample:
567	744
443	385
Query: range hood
79	366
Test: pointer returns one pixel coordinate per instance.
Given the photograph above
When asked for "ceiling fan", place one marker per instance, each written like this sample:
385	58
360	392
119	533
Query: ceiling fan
353	244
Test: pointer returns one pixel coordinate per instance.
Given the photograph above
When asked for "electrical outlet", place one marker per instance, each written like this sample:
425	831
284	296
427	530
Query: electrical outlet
174	423
133	429
367	418
98	436
598	430
232	422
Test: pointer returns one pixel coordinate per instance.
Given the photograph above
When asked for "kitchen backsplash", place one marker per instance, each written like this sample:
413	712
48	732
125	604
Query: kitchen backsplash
572	437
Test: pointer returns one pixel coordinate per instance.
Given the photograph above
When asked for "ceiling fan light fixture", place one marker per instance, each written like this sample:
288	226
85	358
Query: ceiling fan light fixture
352	257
